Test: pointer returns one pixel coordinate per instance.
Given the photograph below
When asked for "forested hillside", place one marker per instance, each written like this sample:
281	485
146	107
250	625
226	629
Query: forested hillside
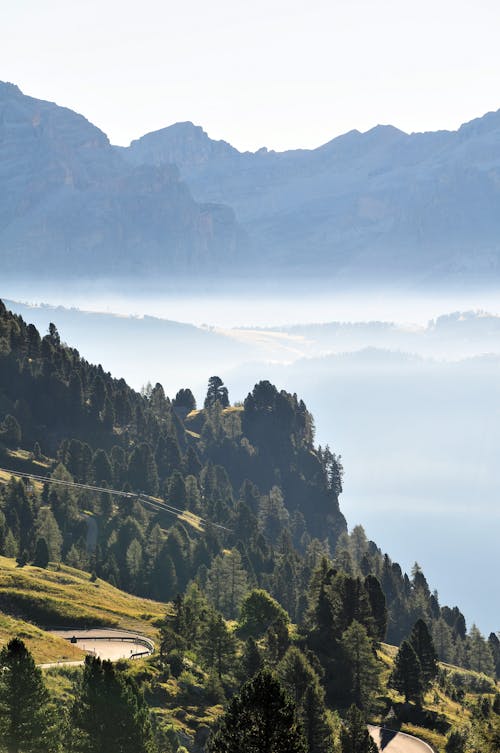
258	561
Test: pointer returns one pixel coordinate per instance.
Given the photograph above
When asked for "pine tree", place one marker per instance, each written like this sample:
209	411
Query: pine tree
421	641
218	644
251	659
354	736
406	676
184	399
317	731
258	612
302	683
378	606
479	653
46	527
227	583
259	719
494	644
443	641
41	553
109	713
362	664
26	719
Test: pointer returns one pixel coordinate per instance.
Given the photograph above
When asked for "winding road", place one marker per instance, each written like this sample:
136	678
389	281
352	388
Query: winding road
389	741
114	644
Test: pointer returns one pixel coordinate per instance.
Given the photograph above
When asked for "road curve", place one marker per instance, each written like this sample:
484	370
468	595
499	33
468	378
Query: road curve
107	643
389	741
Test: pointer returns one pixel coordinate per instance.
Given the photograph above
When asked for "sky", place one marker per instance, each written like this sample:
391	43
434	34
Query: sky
273	73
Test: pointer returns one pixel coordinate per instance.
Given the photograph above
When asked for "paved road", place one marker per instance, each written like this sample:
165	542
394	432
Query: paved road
397	742
106	643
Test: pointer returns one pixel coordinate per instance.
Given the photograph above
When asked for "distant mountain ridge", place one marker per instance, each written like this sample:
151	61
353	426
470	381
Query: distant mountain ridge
376	206
382	203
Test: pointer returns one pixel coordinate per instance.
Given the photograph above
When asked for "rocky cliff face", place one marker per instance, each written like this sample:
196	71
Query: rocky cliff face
183	144
69	202
382	203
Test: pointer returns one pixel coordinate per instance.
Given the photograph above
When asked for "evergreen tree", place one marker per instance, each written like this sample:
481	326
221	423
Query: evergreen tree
406	676
142	471
494	644
479	654
184	399
176	491
354	736
251	659
302	683
216	393
362	664
378	606
421	641
26	719
109	713
443	640
317	731
296	674
218	644
41	553
101	468
227	583
259	719
258	612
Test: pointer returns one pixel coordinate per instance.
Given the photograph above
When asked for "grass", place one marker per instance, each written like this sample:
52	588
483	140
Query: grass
44	646
32	598
450	712
192	519
23	462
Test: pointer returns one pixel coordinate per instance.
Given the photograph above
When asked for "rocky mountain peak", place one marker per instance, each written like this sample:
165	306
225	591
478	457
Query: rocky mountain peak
184	144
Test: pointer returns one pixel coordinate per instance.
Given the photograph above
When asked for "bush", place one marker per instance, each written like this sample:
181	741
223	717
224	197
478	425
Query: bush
188	685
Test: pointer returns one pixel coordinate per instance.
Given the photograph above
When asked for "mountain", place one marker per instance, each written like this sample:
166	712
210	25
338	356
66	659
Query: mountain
70	204
382	204
376	206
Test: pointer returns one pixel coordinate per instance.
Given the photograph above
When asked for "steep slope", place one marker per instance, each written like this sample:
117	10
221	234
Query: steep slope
70	204
375	204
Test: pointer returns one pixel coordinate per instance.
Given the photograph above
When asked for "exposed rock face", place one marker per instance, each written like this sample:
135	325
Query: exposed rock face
183	144
382	203
70	203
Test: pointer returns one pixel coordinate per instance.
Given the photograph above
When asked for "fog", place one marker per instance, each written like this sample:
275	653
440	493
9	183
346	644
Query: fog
267	302
410	400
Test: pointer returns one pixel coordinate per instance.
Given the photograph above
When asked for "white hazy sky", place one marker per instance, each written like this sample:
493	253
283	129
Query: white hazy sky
275	73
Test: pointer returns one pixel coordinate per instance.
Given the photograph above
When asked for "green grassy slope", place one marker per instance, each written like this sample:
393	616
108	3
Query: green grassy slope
441	710
32	598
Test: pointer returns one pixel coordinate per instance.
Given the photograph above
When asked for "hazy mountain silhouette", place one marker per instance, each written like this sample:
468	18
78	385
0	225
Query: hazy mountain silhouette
70	204
382	205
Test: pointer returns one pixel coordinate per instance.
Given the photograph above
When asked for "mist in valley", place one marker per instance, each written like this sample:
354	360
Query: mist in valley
412	402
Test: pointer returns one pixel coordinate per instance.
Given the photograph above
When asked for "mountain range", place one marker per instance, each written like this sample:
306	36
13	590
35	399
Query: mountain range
382	205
